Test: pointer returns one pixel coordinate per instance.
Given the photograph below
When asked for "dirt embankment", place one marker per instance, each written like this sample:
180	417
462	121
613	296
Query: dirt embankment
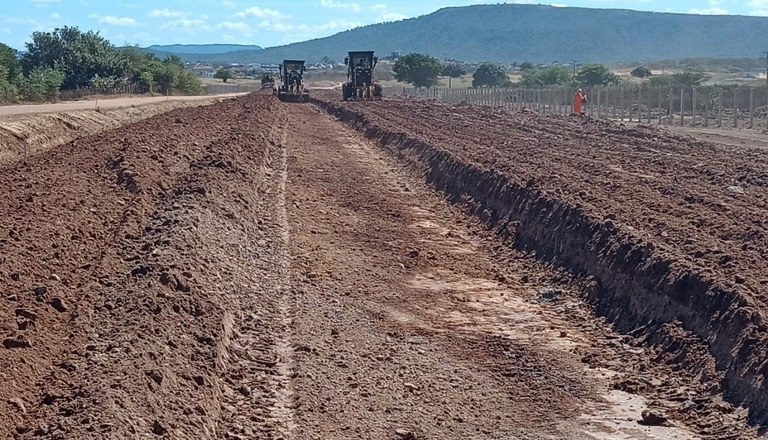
667	233
35	132
124	258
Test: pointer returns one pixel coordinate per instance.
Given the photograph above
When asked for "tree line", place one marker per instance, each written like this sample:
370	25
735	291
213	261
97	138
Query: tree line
69	59
423	71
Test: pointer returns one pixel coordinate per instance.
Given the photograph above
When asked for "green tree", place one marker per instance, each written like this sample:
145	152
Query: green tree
10	61
641	72
223	74
453	70
417	69
596	75
489	75
42	84
546	76
8	90
79	55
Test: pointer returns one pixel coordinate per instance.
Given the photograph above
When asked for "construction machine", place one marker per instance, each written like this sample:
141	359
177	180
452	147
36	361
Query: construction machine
360	84
267	80
292	87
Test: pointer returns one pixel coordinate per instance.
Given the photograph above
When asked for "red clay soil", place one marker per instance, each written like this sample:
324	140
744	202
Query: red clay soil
113	318
668	232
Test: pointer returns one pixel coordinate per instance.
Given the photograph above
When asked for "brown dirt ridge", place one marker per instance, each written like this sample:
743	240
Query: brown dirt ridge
668	233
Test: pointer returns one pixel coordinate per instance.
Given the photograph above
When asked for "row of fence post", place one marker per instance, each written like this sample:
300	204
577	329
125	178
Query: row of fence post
694	108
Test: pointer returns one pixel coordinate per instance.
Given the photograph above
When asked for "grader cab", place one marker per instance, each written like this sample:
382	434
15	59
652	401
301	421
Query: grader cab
360	84
292	88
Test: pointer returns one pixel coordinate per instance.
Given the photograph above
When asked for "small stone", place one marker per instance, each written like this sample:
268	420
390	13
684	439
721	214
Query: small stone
740	279
245	390
156	376
40	292
158	428
199	380
19	404
563	334
19	342
405	434
55	277
59	304
411	387
652	418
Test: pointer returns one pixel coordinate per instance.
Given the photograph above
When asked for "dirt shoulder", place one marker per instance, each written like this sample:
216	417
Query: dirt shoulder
30	133
103	104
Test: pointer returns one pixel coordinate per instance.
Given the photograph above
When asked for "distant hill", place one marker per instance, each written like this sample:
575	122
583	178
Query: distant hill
536	33
184	50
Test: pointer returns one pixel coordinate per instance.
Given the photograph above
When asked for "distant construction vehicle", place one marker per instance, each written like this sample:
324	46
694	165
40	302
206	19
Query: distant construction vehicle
292	87
268	80
360	84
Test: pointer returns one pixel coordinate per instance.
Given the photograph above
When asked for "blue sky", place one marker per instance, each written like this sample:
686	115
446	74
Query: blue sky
268	23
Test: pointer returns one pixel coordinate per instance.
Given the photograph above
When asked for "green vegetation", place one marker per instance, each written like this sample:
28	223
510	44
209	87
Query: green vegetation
417	69
453	70
684	79
223	74
68	58
546	76
640	72
490	75
596	75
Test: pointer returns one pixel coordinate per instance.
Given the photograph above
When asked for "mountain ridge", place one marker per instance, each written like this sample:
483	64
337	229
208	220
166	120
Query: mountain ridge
536	33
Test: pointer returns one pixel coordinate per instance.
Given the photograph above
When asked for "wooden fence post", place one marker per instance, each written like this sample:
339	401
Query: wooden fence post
751	107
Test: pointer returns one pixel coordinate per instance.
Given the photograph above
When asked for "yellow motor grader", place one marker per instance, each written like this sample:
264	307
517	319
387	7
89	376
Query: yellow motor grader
360	85
292	86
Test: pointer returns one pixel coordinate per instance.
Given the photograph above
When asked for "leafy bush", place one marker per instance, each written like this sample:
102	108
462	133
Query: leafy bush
489	75
547	76
596	75
42	84
417	69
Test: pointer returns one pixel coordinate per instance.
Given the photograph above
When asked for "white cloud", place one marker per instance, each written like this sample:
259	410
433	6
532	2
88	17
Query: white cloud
354	7
228	4
167	13
17	20
116	21
559	5
309	30
256	11
55	16
760	7
379	7
44	2
185	24
5	31
240	27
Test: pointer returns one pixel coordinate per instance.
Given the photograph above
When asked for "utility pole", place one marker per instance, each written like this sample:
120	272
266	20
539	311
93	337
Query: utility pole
574	68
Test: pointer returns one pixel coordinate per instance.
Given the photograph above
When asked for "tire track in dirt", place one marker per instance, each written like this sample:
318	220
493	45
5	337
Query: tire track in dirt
284	401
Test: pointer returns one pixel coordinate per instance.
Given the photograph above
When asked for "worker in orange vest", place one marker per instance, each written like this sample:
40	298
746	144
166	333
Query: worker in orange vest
578	101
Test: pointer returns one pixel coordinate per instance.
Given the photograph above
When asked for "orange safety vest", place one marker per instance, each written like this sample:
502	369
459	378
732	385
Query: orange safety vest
578	100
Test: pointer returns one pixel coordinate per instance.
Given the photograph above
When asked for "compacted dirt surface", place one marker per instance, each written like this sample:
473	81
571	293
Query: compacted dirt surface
383	270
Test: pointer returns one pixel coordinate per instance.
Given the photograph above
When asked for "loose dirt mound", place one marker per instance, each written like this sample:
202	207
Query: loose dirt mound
668	233
37	132
115	319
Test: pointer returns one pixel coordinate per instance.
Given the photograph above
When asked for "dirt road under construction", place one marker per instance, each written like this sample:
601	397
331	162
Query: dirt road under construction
385	270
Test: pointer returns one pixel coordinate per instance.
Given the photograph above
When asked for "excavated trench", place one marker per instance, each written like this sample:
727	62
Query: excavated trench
695	321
